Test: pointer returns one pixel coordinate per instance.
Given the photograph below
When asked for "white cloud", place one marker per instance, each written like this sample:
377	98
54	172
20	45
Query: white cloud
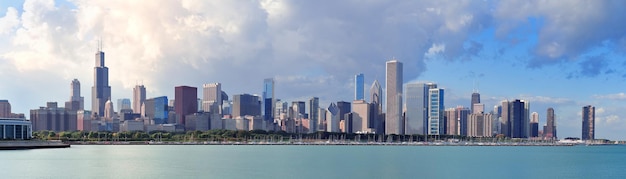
616	96
9	21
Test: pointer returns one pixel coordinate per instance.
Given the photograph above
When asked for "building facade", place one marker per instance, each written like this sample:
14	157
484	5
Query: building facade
156	109
359	87
15	129
549	130
589	123
101	91
185	102
269	102
212	98
139	96
393	85
246	104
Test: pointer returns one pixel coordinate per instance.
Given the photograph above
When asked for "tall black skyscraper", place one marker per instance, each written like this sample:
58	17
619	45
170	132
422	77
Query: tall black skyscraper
101	91
475	100
589	122
514	123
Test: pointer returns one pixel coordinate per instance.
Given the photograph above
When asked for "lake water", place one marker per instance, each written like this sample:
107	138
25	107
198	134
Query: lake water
223	161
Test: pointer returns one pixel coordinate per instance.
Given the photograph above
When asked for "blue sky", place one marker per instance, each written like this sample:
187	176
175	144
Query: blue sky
560	54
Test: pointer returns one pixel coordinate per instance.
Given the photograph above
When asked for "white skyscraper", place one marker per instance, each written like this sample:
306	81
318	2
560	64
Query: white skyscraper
436	111
393	86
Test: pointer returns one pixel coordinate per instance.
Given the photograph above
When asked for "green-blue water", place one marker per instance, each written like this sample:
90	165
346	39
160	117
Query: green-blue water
208	161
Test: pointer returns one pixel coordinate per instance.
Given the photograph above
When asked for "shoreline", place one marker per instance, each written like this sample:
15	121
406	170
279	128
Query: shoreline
32	144
327	143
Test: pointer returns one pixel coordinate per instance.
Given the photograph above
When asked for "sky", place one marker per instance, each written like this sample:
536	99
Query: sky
560	54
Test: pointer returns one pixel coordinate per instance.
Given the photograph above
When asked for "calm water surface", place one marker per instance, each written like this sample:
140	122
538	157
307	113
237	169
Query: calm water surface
208	161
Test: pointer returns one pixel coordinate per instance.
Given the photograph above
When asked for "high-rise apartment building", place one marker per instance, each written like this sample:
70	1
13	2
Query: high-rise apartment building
53	118
452	122
212	98
462	114
394	123
589	122
359	87
185	102
269	100
101	91
549	130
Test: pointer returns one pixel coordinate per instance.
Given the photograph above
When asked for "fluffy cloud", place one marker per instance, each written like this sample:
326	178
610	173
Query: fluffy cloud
311	48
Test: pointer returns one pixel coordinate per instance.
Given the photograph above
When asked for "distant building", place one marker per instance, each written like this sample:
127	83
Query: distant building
123	104
436	110
314	105
75	96
549	130
359	85
246	104
534	124
332	118
462	114
139	96
376	97
156	109
53	118
186	102
394	124
269	100
15	128
475	100
589	122
479	125
452	123
101	91
416	105
5	109
515	119
361	116
212	98
198	121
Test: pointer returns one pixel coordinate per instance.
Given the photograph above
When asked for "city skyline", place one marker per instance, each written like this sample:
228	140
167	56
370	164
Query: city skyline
41	49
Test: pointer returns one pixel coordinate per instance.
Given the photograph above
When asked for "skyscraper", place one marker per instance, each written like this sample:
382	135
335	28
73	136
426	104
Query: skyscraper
534	124
212	98
123	104
314	105
377	121
246	104
268	99
549	130
452	123
156	109
475	100
5	108
332	118
359	86
515	119
462	114
75	94
589	122
393	86
185	102
139	96
344	108
436	111
101	91
416	104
